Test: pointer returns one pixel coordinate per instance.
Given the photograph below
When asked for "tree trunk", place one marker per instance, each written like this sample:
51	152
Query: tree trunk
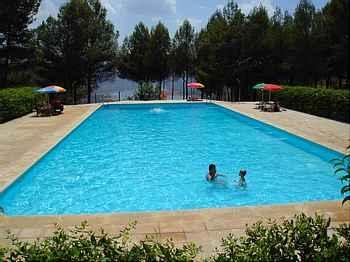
239	93
74	94
172	86
183	86
7	62
232	94
5	73
89	85
186	85
327	81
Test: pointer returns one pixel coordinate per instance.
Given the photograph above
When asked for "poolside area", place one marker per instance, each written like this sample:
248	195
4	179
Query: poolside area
25	140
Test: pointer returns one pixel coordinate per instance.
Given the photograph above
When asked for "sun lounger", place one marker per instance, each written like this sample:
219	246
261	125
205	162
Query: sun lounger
44	110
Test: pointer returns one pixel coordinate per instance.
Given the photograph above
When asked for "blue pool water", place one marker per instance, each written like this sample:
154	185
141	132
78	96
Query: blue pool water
155	157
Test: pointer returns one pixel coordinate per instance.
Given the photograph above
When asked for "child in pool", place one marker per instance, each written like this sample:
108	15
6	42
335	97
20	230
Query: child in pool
241	181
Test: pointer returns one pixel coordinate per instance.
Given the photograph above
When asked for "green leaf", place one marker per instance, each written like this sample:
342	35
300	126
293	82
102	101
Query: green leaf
338	164
345	177
346	157
339	170
345	189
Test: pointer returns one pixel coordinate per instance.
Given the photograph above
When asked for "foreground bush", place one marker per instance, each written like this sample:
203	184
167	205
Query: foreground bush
300	239
82	244
330	103
16	102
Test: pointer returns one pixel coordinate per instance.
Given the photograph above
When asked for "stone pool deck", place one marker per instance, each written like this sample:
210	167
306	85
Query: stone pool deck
24	140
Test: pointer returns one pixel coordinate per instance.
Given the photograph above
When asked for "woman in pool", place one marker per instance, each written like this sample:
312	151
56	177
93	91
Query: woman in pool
212	175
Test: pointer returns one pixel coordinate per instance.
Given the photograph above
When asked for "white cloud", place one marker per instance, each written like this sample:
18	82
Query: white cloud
150	8
46	9
111	6
220	6
247	5
196	22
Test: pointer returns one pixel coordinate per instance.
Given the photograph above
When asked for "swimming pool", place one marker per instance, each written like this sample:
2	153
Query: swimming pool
154	157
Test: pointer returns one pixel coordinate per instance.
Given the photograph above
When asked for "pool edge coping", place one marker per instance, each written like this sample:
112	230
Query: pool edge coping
178	211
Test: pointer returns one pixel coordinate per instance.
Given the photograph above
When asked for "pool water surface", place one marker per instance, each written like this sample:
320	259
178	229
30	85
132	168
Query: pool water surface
130	158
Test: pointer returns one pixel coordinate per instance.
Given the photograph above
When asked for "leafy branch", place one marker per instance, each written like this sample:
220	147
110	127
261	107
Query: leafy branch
342	166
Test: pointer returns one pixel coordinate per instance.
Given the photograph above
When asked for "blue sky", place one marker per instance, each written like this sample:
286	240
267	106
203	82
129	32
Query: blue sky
125	14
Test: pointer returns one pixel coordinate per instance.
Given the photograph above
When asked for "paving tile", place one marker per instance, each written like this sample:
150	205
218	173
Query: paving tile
171	226
197	237
220	234
197	225
147	228
30	233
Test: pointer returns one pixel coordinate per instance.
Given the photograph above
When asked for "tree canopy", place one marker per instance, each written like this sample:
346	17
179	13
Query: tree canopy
309	47
15	36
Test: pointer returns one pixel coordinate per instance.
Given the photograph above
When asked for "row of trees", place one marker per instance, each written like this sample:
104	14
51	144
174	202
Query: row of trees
235	51
79	47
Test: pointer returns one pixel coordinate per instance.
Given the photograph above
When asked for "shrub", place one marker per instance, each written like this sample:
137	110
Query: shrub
16	102
300	239
146	91
330	103
82	244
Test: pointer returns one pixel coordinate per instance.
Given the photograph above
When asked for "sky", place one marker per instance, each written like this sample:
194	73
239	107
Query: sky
125	14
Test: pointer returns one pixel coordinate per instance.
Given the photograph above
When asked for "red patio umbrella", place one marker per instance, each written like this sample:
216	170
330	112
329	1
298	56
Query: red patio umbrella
271	88
195	86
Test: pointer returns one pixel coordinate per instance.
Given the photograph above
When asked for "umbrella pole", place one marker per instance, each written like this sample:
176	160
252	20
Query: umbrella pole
270	96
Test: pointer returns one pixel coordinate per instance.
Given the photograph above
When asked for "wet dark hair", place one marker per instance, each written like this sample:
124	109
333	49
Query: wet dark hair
211	166
243	172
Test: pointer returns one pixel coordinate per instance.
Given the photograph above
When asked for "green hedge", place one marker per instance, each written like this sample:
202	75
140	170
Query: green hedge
16	102
302	238
330	103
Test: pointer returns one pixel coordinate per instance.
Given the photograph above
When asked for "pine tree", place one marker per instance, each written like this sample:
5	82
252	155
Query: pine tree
15	36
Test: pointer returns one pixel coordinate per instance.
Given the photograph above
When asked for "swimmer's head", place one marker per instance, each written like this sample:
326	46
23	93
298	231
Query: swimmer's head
212	169
242	173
